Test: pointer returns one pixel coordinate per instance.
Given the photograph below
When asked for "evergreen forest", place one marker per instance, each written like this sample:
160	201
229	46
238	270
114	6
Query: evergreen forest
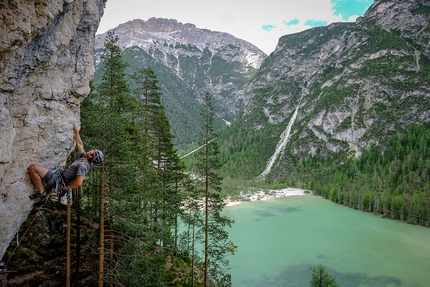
392	181
154	217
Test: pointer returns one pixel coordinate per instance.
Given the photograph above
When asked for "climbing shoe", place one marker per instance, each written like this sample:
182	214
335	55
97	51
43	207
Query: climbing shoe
37	195
40	203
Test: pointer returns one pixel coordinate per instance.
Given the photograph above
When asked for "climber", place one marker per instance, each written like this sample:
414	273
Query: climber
72	176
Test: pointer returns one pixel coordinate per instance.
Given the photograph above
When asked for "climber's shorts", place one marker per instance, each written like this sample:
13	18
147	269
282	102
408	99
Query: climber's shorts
49	178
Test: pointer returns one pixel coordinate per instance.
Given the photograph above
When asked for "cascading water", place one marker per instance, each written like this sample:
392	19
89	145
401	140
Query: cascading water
281	144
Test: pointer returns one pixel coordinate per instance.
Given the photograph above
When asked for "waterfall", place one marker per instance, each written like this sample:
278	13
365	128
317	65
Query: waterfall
281	144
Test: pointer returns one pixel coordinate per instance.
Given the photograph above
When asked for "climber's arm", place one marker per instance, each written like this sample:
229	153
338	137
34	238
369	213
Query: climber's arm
77	183
79	143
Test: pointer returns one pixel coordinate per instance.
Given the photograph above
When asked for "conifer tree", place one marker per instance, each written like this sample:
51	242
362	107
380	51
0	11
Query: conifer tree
107	119
170	173
149	95
91	126
161	172
143	177
216	243
193	220
320	278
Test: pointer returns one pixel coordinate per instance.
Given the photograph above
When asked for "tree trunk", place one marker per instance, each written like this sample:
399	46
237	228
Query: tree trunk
78	235
69	203
102	230
207	214
192	260
111	244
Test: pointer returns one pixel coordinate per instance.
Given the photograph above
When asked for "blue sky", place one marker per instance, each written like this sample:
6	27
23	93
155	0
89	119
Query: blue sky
261	23
347	8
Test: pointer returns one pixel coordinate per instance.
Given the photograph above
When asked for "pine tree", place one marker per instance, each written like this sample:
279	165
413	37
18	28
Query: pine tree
107	118
193	220
158	179
90	133
170	173
148	94
217	245
320	278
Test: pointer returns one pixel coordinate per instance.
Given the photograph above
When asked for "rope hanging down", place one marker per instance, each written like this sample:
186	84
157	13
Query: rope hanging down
34	218
22	237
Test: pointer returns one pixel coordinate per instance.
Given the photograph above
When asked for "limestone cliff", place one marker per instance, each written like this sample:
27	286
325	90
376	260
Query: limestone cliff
46	64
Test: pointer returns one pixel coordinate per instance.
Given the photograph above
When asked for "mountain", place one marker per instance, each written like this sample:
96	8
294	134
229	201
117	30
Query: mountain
188	62
334	91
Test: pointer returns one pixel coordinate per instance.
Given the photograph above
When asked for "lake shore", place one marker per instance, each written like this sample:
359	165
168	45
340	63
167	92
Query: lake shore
265	195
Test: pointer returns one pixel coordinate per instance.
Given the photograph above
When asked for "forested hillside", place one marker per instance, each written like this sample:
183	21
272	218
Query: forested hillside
351	86
393	182
358	101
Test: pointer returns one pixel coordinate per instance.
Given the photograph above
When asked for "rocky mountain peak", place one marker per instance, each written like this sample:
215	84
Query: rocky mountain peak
410	17
155	25
166	34
189	62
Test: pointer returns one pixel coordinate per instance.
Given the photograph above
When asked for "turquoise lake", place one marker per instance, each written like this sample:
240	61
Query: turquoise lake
279	239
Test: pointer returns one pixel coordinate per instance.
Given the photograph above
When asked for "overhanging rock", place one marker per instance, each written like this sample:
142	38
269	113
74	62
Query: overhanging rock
46	64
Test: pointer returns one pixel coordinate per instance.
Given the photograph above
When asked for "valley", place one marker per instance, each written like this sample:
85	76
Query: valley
208	144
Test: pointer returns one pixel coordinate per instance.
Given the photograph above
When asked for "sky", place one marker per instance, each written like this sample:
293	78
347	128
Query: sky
260	22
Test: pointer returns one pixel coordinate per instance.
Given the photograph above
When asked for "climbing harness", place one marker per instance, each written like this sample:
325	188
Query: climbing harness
60	186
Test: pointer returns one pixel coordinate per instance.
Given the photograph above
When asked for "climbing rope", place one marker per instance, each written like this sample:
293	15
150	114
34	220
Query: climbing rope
22	237
59	185
191	152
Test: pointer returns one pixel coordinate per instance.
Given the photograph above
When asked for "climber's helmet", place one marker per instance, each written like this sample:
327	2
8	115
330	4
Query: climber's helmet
98	156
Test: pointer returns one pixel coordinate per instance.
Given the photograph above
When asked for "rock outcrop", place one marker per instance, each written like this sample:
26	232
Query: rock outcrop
46	63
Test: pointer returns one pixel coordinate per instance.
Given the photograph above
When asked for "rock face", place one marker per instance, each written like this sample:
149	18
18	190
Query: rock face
189	62
46	64
354	84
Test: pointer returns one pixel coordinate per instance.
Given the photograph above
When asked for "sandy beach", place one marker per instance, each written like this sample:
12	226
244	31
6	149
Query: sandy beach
261	195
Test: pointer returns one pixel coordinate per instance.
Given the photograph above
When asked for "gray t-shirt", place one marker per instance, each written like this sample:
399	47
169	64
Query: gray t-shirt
78	167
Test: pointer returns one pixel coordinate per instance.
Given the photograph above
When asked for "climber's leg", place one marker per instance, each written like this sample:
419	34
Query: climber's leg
37	173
